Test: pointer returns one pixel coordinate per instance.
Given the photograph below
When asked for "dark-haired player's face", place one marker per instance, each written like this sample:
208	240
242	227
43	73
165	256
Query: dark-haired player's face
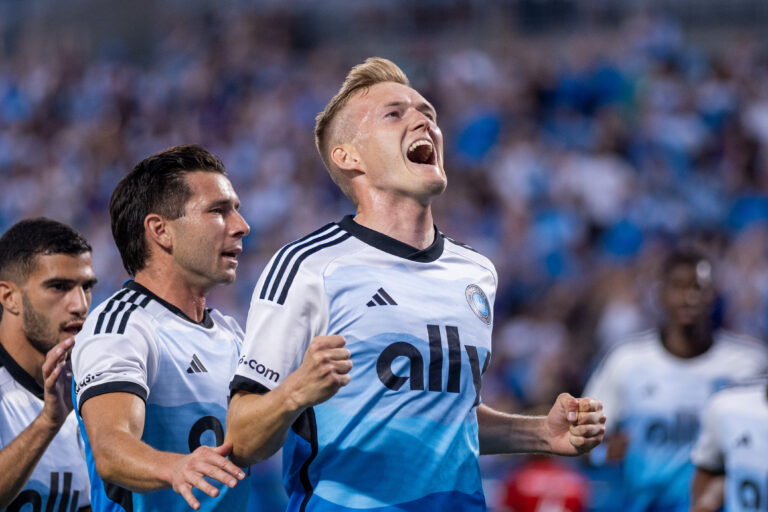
55	298
688	293
207	239
398	141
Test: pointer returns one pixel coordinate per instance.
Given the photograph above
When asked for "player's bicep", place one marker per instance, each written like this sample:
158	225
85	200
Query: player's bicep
113	412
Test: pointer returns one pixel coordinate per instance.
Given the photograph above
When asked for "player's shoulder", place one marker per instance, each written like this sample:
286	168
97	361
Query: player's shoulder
130	305
635	344
743	342
302	259
467	252
751	389
631	349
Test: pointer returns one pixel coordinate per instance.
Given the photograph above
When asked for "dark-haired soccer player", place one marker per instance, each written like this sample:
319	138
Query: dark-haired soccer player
152	362
655	385
46	278
387	417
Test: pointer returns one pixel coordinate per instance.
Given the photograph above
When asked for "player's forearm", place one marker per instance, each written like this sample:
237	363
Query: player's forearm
20	457
510	433
123	460
257	425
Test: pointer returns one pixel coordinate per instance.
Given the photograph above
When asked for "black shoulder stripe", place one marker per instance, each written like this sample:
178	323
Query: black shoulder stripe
290	256
301	258
460	244
119	295
280	254
114	315
124	321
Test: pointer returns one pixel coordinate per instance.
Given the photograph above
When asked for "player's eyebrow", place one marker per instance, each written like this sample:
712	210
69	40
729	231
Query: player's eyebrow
225	203
422	106
68	282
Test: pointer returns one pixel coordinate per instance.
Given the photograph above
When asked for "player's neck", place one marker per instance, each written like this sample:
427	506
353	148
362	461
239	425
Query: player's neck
173	288
15	343
687	341
408	223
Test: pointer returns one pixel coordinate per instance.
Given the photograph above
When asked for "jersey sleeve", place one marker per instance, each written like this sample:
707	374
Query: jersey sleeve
115	362
277	333
605	385
707	452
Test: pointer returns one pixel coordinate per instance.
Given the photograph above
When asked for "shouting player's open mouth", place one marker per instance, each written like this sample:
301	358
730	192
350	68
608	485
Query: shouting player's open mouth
422	151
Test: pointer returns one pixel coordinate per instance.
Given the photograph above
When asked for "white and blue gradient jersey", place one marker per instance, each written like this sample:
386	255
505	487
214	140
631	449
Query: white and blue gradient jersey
734	440
656	399
403	434
60	479
135	342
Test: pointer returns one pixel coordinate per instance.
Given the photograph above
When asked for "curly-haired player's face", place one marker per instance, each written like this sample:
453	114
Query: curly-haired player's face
398	141
207	239
55	298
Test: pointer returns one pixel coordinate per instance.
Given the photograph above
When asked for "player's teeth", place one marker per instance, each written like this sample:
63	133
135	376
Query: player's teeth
419	143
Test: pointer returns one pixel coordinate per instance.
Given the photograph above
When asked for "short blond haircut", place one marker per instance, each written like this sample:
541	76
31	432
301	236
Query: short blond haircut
371	72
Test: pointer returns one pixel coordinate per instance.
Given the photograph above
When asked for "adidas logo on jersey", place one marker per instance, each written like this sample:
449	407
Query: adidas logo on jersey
381	298
196	366
744	441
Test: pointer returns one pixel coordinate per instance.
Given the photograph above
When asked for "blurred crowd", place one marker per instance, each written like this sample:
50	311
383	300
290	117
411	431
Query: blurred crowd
575	160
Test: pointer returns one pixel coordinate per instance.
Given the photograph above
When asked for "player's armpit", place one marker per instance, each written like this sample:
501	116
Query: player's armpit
708	491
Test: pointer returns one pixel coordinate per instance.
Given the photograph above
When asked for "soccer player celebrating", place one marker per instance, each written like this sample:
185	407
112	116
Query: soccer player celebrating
731	455
367	339
152	363
46	278
655	385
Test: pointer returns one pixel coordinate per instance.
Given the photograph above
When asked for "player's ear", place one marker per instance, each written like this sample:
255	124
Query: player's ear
157	230
10	297
346	158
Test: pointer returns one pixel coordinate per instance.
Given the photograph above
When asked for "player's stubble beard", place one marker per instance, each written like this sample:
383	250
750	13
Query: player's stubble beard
37	328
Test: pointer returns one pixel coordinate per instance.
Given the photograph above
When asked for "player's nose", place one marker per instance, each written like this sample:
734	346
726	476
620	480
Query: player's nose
79	301
240	226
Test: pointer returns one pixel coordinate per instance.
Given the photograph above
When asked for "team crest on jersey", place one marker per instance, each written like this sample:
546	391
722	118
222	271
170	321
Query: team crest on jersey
478	301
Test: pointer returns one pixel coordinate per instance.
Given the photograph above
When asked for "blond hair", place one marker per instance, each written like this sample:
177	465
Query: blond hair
371	72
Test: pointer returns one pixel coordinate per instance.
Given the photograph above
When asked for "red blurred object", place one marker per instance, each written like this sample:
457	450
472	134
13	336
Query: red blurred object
545	485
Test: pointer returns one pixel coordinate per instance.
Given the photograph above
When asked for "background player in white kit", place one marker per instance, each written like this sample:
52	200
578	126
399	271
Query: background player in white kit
46	279
401	429
655	385
731	454
152	363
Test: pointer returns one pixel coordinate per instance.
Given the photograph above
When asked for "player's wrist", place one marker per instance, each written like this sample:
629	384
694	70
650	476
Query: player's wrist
47	423
293	396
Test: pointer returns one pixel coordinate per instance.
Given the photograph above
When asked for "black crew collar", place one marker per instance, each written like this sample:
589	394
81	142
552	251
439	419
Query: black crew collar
19	375
206	322
390	245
